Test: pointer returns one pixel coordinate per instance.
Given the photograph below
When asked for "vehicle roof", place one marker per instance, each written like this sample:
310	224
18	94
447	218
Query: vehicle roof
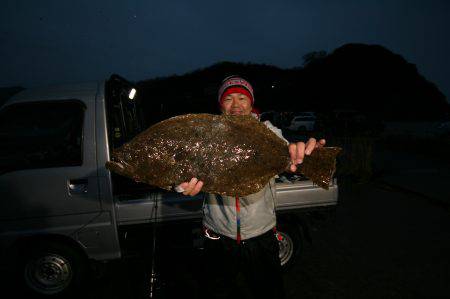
307	113
84	90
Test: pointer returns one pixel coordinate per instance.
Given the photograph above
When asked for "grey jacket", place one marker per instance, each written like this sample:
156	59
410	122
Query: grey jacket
257	211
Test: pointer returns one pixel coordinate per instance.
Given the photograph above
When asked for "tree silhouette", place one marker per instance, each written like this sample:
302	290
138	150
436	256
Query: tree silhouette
366	78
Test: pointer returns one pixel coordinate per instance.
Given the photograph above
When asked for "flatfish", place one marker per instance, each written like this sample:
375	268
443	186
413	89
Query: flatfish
232	155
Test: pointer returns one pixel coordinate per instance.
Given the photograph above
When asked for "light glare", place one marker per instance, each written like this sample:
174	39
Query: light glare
132	94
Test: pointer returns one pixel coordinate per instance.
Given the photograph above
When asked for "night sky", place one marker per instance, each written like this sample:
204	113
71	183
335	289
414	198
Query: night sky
47	42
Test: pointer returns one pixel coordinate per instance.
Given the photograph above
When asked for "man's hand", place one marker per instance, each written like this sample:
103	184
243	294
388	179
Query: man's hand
192	188
300	149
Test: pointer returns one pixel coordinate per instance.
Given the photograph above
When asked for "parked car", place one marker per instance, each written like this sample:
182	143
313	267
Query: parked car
267	115
304	121
443	128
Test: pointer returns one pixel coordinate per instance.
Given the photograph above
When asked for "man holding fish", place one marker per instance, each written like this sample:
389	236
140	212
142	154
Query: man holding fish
240	232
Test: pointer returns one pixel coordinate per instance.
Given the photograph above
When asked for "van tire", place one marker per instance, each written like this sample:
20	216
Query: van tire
290	244
53	269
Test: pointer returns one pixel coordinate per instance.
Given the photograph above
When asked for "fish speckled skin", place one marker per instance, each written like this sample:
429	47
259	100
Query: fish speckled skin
232	155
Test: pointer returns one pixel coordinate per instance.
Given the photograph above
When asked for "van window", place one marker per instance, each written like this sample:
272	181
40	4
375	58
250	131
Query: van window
41	135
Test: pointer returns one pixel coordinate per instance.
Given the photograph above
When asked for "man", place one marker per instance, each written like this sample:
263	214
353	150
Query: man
240	233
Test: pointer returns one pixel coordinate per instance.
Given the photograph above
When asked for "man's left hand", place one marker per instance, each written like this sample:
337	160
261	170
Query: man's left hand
298	151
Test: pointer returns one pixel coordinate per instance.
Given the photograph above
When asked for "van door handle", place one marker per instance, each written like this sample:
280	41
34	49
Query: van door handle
78	186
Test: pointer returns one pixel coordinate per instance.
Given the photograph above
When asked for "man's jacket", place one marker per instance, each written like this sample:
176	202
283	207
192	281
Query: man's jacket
256	211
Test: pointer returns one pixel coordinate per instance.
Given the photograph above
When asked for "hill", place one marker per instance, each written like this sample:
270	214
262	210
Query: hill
366	78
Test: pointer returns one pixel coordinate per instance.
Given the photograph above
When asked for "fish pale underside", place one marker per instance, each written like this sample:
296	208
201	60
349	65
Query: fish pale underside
232	155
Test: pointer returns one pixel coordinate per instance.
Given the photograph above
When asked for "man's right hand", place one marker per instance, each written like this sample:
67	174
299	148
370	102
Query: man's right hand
192	188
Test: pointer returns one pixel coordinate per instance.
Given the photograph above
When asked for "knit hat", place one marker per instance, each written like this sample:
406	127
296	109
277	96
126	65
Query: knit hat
235	84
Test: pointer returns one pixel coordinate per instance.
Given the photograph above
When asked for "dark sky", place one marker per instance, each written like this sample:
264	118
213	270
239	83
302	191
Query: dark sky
46	42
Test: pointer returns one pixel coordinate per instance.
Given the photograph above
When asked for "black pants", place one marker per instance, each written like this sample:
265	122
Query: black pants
256	258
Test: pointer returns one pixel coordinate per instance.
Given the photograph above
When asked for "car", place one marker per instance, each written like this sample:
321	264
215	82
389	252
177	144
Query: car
443	129
303	121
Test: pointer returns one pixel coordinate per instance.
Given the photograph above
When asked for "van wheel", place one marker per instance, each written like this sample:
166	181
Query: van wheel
53	269
290	244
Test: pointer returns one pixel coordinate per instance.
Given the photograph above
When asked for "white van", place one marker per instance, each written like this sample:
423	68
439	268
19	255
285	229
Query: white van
61	210
303	121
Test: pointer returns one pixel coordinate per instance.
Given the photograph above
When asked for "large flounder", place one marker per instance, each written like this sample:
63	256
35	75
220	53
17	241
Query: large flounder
232	155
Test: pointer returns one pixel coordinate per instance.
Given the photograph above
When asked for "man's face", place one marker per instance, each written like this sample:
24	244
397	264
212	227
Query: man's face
236	104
